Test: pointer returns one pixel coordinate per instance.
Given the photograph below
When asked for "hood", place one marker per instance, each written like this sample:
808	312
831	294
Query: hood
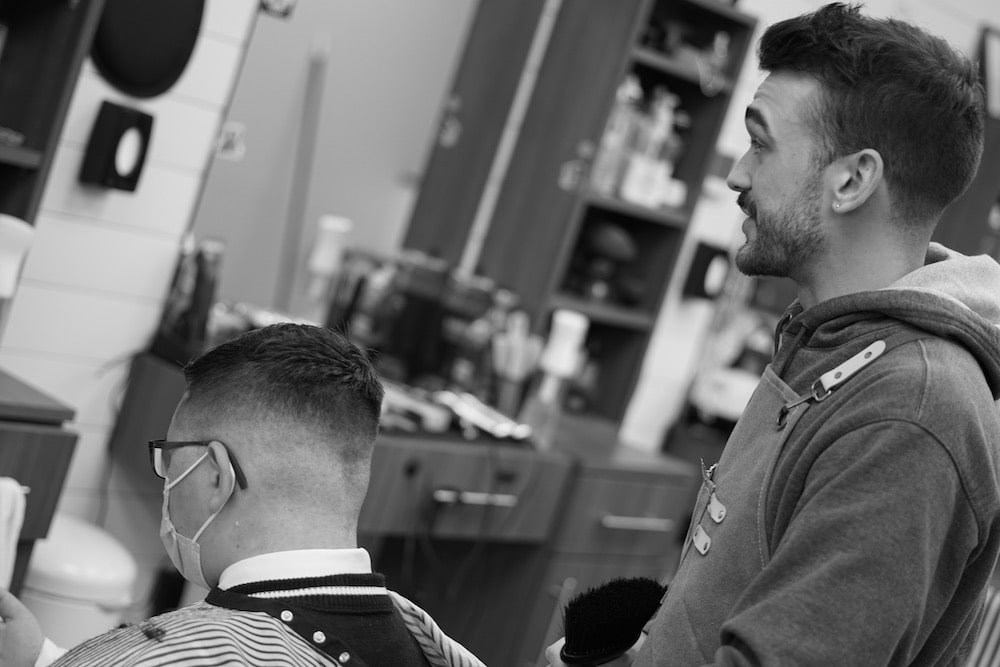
952	296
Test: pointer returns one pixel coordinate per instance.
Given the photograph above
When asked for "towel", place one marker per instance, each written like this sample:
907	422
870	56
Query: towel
11	517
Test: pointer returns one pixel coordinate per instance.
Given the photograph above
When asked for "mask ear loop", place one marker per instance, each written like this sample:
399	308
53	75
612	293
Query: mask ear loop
187	472
210	519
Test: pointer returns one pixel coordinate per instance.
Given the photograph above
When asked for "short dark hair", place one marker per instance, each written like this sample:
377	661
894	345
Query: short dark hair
308	373
893	87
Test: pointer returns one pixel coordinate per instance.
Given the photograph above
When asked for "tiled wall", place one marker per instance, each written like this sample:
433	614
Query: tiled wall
101	261
675	348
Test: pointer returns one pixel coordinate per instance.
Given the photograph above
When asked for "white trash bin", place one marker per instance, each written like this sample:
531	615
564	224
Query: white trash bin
79	581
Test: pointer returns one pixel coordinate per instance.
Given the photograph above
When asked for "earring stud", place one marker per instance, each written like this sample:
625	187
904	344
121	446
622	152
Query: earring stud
836	205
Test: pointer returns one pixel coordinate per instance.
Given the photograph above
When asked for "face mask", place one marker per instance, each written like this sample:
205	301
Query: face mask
185	552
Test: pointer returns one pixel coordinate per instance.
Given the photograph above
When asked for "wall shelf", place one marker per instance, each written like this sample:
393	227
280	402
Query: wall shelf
599	312
544	236
45	46
677	68
18	156
670	217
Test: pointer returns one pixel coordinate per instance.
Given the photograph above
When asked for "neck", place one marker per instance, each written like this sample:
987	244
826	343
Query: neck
859	274
254	537
861	256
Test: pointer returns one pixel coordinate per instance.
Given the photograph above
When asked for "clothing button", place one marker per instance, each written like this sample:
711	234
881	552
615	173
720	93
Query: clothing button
716	509
287	616
344	657
701	540
319	637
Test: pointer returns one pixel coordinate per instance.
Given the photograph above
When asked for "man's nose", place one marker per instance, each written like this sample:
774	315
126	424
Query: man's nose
738	179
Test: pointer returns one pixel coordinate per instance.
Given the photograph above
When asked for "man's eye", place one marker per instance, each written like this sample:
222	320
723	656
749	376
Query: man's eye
755	145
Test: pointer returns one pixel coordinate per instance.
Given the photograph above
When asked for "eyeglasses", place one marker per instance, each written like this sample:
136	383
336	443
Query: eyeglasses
157	447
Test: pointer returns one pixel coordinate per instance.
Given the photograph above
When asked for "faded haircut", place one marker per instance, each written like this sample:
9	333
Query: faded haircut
889	86
310	374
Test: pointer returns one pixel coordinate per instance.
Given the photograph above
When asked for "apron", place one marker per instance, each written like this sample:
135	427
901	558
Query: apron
727	545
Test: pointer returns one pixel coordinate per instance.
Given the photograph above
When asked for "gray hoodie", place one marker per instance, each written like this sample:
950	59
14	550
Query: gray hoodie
881	517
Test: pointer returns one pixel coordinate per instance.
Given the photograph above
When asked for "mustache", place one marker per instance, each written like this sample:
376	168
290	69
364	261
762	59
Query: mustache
747	204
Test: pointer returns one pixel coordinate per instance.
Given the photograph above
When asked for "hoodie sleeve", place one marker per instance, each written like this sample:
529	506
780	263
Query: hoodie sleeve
872	557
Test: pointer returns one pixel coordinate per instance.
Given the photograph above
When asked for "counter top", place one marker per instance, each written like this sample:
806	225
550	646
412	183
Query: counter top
592	441
21	402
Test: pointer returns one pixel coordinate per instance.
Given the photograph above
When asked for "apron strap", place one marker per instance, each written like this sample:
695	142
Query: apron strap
824	385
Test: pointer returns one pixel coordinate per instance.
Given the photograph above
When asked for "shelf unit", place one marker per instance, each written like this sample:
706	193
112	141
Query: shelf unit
44	45
545	206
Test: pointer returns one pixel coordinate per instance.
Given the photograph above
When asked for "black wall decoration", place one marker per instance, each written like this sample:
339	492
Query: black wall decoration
142	46
707	275
116	150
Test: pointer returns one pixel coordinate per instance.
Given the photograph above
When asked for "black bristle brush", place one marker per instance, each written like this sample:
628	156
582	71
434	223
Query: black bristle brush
602	623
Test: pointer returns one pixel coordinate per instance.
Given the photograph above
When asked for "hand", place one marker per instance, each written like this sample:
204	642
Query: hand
20	635
552	654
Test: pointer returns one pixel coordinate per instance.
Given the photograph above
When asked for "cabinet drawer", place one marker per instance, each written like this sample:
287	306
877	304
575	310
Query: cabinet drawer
463	491
633	515
38	458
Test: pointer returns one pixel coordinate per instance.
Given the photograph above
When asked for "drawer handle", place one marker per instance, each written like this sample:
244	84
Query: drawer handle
646	523
452	497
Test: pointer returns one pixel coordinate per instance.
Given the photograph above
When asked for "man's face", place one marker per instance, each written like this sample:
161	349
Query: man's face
779	181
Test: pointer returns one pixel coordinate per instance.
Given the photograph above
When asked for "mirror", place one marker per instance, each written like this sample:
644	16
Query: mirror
333	113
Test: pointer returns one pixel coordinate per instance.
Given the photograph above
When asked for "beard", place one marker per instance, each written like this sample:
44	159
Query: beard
785	239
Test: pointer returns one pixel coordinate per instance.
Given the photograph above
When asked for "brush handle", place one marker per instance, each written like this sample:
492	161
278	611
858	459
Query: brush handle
624	660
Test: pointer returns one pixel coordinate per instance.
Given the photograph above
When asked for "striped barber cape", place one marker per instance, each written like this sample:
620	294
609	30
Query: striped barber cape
206	634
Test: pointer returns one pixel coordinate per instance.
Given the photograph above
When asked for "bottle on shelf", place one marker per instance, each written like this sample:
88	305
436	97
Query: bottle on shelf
648	176
606	174
324	264
560	361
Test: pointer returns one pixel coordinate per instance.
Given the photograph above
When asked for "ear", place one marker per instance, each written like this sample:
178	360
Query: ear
856	177
223	478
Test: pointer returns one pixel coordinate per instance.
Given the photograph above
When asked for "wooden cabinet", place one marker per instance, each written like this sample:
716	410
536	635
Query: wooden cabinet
544	207
35	450
44	43
454	490
625	516
461	529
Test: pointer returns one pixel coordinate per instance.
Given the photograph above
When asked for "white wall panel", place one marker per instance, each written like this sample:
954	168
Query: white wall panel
163	203
78	323
183	133
210	75
92	388
229	18
107	258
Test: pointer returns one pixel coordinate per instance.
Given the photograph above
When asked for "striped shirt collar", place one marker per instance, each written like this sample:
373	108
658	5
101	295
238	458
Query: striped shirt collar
296	564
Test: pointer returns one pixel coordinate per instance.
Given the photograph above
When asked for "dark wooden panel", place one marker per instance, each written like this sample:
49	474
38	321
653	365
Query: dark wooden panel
400	498
44	50
646	516
481	95
155	387
479	593
964	226
38	458
526	247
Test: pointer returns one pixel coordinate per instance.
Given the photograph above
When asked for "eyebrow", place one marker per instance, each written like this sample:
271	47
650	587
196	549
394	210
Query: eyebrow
753	116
